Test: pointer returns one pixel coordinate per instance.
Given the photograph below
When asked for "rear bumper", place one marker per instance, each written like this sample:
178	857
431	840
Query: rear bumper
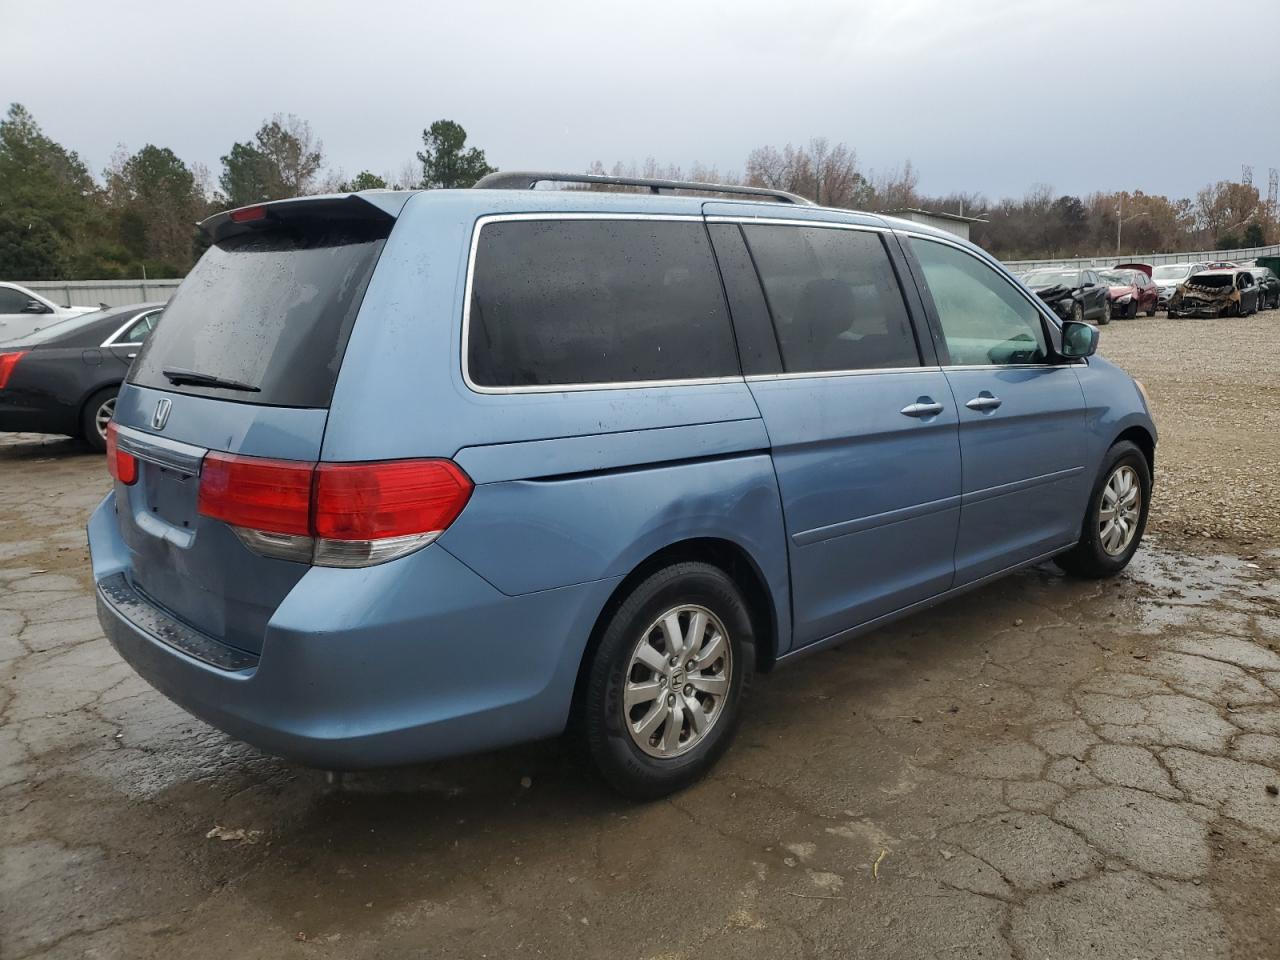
414	660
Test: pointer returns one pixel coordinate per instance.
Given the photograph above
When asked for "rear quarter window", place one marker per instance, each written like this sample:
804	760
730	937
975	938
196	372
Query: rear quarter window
580	302
273	310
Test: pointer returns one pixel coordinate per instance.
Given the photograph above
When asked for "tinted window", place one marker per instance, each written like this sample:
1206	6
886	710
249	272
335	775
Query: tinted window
270	309
834	298
12	301
984	318
596	301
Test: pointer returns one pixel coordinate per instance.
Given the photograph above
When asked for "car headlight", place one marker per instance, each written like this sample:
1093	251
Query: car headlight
1125	299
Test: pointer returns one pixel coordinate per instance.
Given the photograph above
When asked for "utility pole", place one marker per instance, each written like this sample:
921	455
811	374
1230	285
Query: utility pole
1119	221
1273	180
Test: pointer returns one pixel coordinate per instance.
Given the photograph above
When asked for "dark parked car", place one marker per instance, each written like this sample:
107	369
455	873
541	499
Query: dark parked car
1268	287
1072	294
64	378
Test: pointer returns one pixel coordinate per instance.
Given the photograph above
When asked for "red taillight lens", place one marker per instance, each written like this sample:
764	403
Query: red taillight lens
248	214
333	514
371	501
269	495
7	362
122	466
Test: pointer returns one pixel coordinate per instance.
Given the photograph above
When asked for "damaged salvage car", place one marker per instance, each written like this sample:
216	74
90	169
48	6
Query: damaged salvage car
1216	293
1079	295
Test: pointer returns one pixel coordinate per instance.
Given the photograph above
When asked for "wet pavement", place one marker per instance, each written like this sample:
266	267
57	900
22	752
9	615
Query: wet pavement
1042	769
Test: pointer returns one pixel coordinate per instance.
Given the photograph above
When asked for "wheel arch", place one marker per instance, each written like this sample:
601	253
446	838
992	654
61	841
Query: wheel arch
93	391
1141	438
733	559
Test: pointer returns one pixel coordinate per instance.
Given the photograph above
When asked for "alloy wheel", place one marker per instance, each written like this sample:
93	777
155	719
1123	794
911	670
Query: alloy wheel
1120	510
103	416
678	681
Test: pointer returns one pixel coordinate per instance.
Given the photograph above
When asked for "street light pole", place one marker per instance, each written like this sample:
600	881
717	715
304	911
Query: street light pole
1119	221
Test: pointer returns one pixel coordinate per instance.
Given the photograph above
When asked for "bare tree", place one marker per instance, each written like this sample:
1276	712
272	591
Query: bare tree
825	173
895	188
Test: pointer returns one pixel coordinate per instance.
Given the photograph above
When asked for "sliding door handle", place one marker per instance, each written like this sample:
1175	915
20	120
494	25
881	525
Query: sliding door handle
924	407
984	402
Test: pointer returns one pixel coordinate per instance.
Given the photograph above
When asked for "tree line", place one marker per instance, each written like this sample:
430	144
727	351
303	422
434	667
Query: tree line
58	220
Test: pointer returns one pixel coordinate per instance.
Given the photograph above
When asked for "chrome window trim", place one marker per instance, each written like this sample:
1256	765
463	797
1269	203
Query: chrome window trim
111	341
793	222
481	223
819	374
1013	366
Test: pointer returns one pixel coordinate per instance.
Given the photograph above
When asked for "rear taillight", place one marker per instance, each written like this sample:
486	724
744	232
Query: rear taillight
7	362
333	514
122	466
273	496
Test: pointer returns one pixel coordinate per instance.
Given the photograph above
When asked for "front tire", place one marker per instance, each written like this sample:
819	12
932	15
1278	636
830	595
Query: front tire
1116	518
666	681
1106	313
95	416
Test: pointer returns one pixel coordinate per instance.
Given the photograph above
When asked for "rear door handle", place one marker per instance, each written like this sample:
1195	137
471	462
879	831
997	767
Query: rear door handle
984	402
923	407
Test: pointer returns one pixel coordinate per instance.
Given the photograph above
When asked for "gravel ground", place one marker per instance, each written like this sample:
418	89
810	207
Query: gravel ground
1215	390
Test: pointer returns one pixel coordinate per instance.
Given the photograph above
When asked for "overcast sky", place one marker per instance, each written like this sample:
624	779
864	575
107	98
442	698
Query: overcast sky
993	97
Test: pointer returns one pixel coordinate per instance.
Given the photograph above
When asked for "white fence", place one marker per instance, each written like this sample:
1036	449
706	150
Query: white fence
90	293
1155	259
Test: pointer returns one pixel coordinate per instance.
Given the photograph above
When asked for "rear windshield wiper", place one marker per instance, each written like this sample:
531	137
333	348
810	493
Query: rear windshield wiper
178	376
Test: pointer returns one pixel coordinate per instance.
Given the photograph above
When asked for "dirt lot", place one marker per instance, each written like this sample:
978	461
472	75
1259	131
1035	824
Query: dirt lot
1043	769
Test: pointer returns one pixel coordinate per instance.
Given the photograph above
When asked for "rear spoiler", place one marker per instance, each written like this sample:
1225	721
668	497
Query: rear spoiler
1140	267
369	207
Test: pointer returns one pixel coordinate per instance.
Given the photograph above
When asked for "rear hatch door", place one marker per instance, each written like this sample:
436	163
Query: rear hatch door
244	363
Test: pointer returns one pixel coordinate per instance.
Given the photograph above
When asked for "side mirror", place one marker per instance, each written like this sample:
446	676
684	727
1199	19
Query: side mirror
35	306
1079	339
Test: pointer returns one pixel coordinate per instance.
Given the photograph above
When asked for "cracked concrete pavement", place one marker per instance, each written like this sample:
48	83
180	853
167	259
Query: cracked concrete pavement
1042	770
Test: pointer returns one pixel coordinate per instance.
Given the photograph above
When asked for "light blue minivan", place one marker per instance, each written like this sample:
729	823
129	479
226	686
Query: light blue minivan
410	474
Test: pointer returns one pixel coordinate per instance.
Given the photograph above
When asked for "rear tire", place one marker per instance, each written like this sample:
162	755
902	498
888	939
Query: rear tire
639	709
98	411
1116	517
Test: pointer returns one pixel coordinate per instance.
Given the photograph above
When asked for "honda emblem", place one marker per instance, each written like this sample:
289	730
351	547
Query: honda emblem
161	416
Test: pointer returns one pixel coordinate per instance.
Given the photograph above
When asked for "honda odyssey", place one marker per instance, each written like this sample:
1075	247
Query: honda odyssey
404	475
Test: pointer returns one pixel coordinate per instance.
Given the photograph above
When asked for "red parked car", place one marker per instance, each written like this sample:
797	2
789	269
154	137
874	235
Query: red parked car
1130	291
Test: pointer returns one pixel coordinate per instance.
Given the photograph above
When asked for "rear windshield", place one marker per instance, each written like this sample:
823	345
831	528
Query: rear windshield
269	310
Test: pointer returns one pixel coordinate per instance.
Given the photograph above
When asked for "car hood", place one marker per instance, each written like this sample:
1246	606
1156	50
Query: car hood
1054	291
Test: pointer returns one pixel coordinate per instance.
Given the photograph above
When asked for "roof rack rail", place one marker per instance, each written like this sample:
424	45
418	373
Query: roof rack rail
527	180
